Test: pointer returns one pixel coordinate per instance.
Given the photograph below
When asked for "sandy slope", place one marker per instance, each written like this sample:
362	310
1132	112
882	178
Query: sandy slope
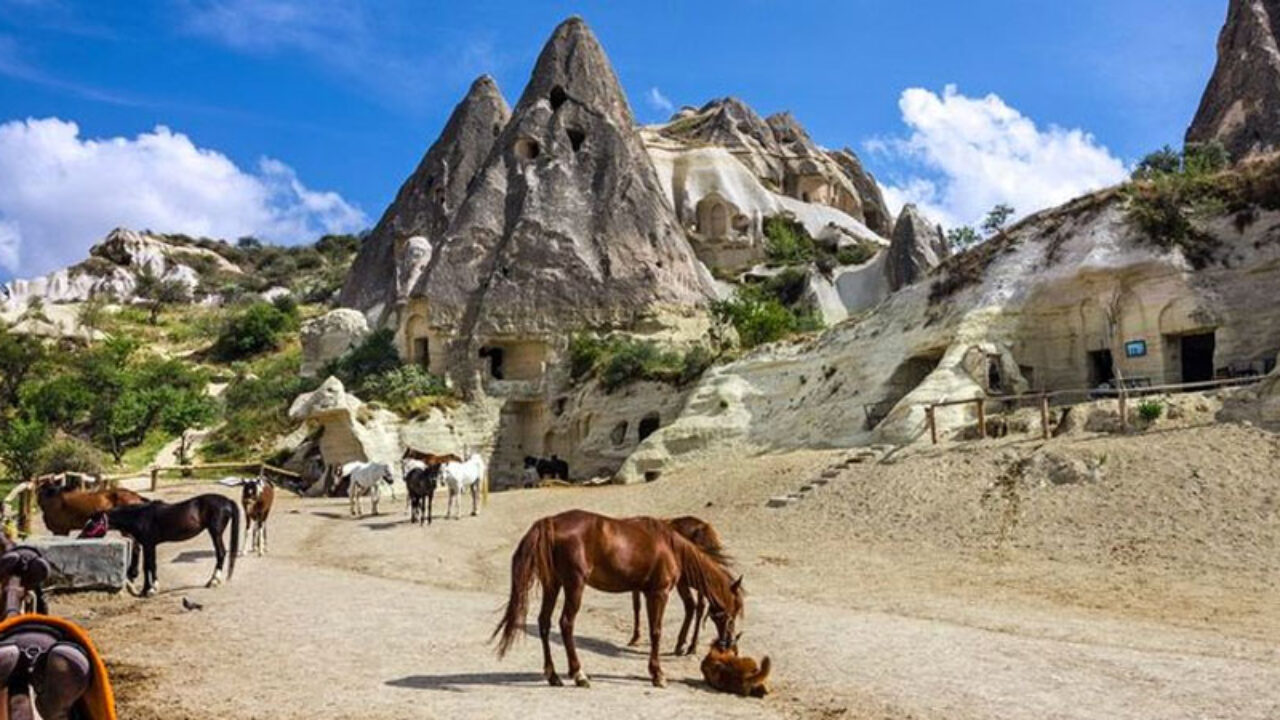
924	588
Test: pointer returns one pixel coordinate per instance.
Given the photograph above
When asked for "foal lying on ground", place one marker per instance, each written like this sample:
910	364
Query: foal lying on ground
157	522
727	672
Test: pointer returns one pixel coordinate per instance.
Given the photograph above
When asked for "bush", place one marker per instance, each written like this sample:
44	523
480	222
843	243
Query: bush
1150	410
619	361
253	331
856	254
400	387
769	311
67	453
376	355
787	242
257	407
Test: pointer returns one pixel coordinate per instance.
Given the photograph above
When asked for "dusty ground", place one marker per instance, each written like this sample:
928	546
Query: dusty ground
936	586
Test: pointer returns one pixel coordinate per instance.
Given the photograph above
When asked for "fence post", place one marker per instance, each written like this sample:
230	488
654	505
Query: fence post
982	418
1044	416
1124	414
155	479
26	509
933	425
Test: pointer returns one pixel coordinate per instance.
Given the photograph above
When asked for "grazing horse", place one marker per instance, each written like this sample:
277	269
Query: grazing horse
421	480
700	533
362	479
471	475
157	522
256	496
577	549
66	510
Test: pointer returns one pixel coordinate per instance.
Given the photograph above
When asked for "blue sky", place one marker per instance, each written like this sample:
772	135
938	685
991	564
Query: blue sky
286	118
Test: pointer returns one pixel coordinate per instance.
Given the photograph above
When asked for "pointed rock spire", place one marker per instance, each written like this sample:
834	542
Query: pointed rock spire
567	225
917	247
427	200
1241	106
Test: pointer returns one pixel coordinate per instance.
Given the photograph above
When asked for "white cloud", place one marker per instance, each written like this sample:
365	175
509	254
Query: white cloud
659	101
59	193
965	155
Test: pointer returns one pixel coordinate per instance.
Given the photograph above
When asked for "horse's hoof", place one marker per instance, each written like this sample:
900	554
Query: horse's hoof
149	592
679	650
581	680
635	642
660	682
555	681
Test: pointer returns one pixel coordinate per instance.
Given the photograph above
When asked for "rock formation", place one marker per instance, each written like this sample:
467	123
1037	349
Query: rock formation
918	246
400	245
566	226
329	336
112	270
1241	107
779	152
350	430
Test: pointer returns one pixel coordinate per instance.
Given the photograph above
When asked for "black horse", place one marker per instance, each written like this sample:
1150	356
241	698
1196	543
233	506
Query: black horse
158	522
554	467
421	482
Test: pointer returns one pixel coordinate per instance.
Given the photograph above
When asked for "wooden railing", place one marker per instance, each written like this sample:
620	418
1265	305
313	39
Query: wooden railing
1044	399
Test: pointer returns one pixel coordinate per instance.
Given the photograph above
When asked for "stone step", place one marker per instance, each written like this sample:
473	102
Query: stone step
781	501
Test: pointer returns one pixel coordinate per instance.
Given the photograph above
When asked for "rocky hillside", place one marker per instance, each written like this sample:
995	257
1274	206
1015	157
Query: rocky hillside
1241	107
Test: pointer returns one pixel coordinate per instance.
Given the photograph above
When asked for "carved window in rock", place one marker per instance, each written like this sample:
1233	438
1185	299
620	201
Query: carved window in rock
527	148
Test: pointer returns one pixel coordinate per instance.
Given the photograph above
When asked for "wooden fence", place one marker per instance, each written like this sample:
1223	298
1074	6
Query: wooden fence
1045	399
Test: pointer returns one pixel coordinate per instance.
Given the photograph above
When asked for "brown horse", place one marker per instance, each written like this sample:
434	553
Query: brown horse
700	533
65	510
577	549
428	458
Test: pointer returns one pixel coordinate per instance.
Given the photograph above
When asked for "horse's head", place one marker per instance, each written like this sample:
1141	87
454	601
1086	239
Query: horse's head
725	613
387	477
97	526
530	461
251	489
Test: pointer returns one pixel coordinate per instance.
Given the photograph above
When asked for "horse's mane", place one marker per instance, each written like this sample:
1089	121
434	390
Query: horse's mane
705	571
702	534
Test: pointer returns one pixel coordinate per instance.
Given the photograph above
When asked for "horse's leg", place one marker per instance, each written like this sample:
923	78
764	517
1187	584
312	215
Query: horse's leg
572	604
549	595
150	583
219	552
263	524
635	612
135	556
657	604
686	596
475	498
430	497
700	614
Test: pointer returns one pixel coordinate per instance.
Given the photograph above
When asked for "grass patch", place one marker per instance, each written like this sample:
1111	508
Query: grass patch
769	310
143	454
257	406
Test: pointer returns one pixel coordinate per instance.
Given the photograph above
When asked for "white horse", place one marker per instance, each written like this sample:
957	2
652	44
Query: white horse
471	475
363	479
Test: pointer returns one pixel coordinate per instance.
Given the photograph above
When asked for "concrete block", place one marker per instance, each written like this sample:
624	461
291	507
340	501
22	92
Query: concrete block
97	564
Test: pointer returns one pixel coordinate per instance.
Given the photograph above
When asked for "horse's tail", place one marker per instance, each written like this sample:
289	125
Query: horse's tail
532	559
235	539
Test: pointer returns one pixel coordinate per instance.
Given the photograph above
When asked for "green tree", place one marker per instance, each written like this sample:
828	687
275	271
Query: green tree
1164	161
21	441
182	411
962	238
19	355
91	315
997	218
159	293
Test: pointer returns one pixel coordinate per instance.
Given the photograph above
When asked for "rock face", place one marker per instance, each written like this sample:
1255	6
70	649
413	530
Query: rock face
1241	107
113	268
779	152
392	256
350	430
566	226
327	337
918	247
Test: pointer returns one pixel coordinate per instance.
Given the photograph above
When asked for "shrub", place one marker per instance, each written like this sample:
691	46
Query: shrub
253	331
400	387
770	310
856	254
622	360
257	406
376	355
787	242
1150	410
21	441
67	453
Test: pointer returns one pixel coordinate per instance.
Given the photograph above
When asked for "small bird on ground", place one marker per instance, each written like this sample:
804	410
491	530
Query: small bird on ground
189	604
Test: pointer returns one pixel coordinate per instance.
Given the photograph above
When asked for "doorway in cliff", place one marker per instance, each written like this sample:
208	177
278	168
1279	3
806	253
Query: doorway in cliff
495	356
1197	356
1102	368
422	352
905	378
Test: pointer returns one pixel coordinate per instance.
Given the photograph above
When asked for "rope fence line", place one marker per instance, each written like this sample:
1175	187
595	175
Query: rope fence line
1045	399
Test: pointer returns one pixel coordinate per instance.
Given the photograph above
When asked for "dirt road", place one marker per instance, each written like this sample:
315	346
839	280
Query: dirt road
373	618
